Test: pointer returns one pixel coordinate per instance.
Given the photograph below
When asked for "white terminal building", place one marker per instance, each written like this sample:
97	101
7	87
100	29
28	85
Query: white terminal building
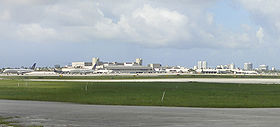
97	66
115	67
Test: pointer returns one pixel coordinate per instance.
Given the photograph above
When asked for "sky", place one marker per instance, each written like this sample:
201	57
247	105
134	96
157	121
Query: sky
170	32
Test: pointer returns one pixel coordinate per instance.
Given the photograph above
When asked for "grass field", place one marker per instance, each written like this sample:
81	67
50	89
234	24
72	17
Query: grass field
149	94
141	76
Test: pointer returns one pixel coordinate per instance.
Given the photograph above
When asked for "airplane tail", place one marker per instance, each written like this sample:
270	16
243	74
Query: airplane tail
94	67
57	71
33	66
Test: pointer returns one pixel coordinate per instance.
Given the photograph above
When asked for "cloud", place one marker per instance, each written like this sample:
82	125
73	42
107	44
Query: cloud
35	32
151	23
260	34
148	26
5	15
264	13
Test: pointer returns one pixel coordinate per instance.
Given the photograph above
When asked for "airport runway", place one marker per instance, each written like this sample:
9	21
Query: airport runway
213	80
54	114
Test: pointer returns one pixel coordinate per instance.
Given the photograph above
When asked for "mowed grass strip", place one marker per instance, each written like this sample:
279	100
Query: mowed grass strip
149	94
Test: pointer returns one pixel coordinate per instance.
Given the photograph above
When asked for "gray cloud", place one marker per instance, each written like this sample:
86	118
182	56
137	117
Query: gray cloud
265	13
152	23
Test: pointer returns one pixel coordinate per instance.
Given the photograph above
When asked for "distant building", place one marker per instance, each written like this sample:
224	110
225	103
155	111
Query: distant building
263	67
177	69
129	69
87	65
207	71
157	68
202	65
222	67
199	65
273	69
114	67
154	65
231	66
248	66
139	61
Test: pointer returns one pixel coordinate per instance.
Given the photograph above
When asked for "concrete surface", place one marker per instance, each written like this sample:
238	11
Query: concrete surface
213	80
54	114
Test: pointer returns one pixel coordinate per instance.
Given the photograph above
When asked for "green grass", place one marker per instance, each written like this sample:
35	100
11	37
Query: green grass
148	94
141	76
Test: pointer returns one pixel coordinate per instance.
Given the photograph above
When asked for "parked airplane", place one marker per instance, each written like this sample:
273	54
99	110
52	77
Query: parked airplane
81	71
20	71
74	71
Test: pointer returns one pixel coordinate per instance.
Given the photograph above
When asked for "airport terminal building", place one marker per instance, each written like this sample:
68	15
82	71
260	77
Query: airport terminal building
130	69
113	67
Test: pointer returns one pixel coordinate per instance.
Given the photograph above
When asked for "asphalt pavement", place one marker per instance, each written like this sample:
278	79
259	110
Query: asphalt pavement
56	114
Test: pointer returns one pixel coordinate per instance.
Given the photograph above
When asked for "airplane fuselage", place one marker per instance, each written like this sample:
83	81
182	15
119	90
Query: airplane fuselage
17	71
78	71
